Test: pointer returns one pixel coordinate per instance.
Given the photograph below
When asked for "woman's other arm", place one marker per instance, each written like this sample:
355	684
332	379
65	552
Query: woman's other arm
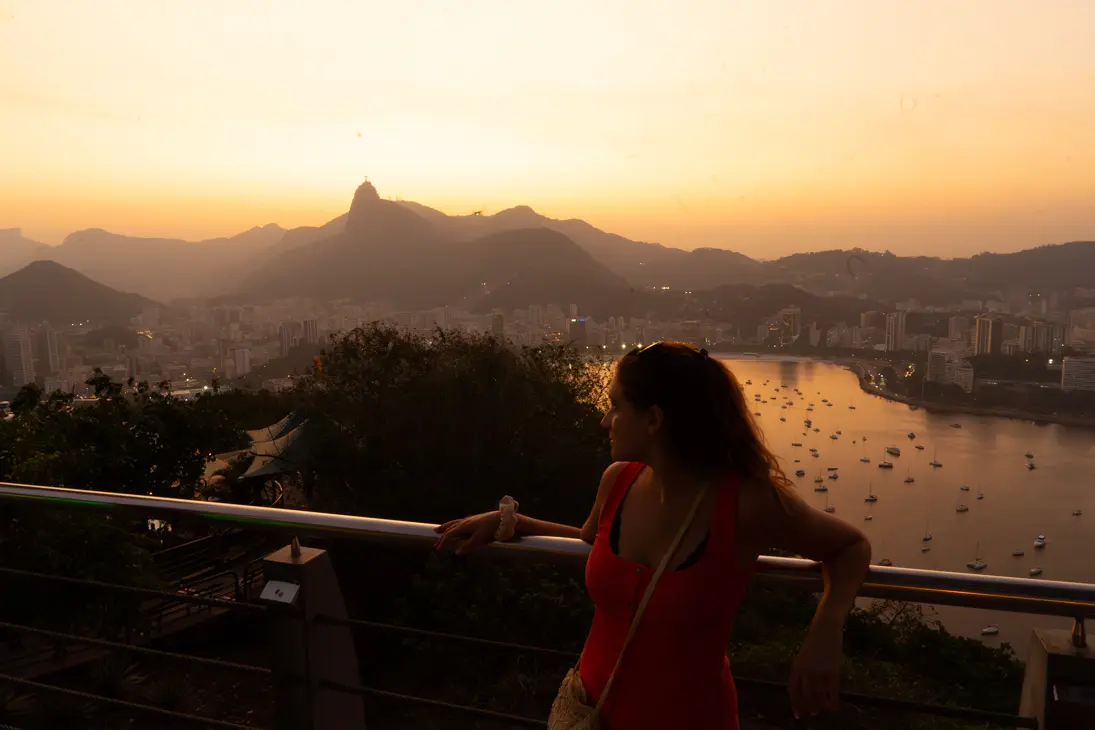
784	521
469	533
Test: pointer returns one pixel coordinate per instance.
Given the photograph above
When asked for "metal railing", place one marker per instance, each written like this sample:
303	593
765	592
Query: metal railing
1057	598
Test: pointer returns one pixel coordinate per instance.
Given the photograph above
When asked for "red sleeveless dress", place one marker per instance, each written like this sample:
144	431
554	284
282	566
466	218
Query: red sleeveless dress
675	672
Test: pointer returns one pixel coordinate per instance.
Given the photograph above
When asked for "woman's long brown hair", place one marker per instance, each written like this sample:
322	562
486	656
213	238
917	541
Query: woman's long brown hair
708	425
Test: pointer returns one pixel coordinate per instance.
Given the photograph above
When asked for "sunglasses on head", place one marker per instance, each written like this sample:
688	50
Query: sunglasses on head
660	347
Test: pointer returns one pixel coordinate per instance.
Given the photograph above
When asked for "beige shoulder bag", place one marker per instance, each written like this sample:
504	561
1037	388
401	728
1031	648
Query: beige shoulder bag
571	710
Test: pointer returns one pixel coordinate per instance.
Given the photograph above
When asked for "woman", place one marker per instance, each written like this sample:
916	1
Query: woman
681	432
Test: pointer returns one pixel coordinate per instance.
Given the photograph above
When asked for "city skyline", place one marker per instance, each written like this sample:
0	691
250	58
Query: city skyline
767	130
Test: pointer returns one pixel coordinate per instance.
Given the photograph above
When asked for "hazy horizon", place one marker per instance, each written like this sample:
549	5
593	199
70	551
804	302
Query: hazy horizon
767	129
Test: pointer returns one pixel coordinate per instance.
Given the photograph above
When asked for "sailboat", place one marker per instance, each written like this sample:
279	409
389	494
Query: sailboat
961	507
934	463
885	464
870	497
977	563
910	478
927	535
828	507
980	494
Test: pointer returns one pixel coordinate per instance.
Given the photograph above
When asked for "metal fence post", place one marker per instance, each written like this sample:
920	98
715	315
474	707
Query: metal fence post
1059	680
301	584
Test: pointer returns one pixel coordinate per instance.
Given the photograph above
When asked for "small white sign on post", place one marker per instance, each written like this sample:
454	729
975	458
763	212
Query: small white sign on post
280	591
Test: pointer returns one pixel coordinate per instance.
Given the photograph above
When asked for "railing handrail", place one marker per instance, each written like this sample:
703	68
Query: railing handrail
1003	593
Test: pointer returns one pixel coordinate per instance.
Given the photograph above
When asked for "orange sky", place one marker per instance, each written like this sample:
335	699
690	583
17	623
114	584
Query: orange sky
766	126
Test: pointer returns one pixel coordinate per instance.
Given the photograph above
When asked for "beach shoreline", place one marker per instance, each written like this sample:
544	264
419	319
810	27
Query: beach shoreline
936	407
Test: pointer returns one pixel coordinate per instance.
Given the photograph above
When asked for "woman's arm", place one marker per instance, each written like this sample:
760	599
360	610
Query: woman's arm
786	522
472	532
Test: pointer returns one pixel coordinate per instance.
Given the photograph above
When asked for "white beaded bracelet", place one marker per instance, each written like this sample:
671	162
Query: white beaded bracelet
508	526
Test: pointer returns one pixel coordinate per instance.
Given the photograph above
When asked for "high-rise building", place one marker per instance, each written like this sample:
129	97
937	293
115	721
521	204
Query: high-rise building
18	359
957	328
287	337
573	311
498	325
242	359
576	333
1078	373
895	331
792	323
988	336
49	353
311	331
937	366
535	315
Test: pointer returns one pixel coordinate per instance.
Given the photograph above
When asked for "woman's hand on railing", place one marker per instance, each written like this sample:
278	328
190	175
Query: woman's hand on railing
815	674
469	533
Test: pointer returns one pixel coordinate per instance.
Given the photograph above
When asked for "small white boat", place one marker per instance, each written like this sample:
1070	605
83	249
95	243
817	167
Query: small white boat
755	413
992	630
865	459
834	437
919	447
834	475
1076	513
1034	571
964	488
956	425
795	443
1039	544
821	488
800	473
885	562
1031	466
977	564
1018	553
961	508
1029	455
910	479
782	418
925	548
1041	536
818	479
868	518
893	451
817	430
885	465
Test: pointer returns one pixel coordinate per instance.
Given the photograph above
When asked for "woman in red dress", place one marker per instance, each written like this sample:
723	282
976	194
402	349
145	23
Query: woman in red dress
679	425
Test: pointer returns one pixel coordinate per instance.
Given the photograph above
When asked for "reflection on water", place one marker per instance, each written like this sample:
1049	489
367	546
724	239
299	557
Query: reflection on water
986	453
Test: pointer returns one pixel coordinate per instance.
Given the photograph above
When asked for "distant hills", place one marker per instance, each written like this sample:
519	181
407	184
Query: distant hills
642	264
16	250
48	291
388	251
417	256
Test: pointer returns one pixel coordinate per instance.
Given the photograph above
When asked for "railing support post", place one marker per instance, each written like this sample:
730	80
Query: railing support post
301	584
1059	680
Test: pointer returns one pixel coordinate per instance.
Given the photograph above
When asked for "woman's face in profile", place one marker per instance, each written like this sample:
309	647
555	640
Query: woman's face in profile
631	430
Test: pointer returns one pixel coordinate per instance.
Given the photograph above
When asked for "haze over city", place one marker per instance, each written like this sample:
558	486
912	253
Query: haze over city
766	128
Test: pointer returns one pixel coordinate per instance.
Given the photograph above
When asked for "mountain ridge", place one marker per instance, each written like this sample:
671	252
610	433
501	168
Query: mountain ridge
387	251
45	290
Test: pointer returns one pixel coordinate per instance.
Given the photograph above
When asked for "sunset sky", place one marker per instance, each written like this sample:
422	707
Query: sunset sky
765	126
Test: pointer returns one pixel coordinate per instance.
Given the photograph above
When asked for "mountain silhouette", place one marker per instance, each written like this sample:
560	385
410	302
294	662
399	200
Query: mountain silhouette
165	268
642	264
387	251
16	251
48	291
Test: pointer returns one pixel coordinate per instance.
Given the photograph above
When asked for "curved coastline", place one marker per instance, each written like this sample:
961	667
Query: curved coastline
935	407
